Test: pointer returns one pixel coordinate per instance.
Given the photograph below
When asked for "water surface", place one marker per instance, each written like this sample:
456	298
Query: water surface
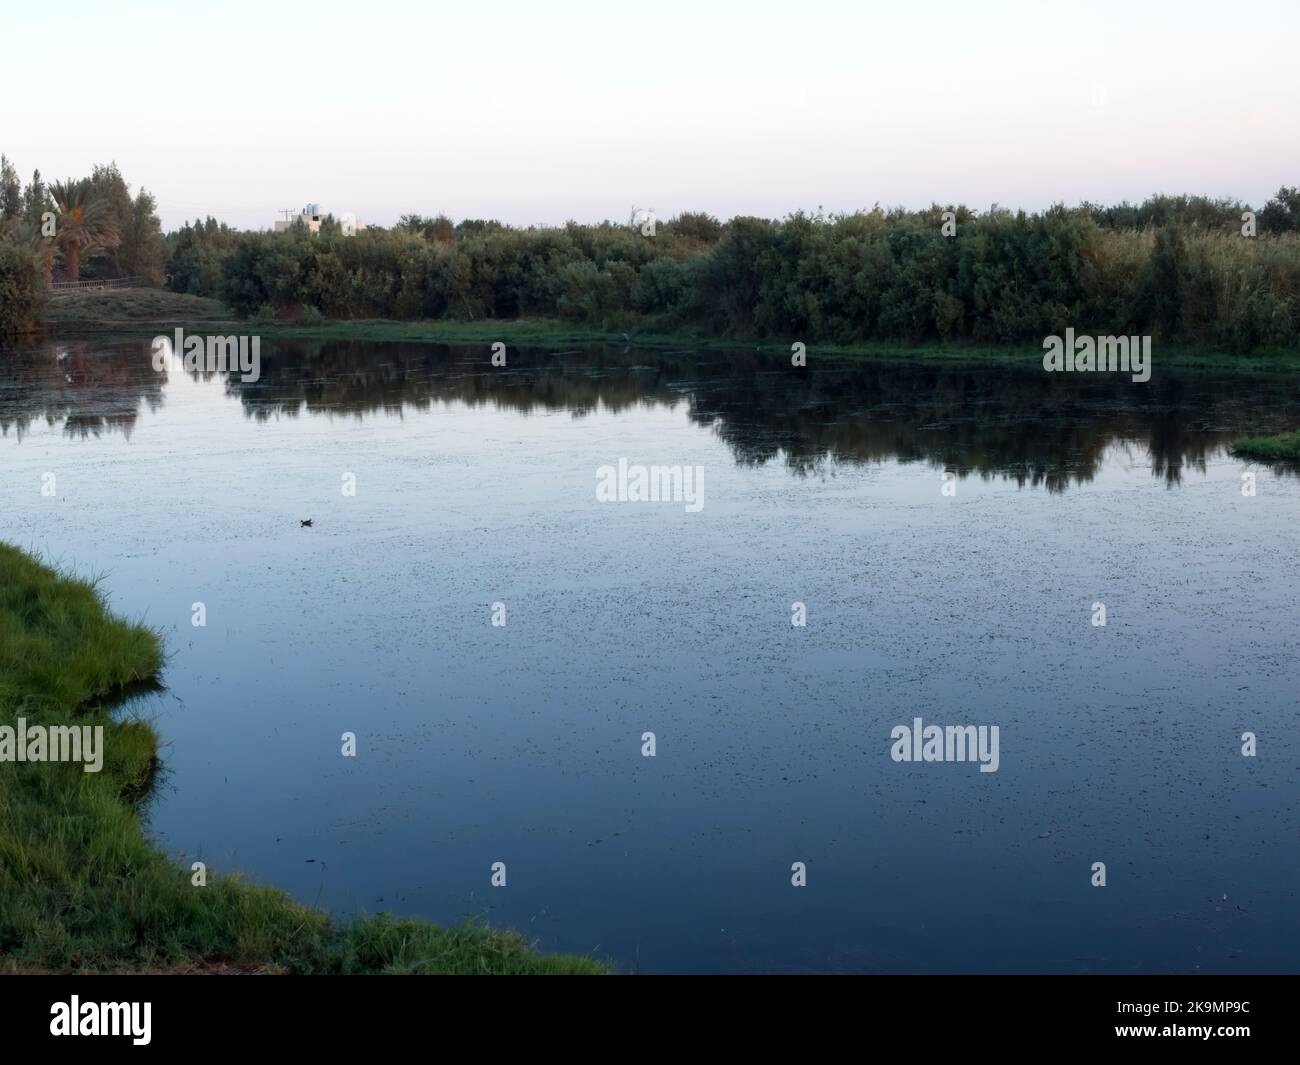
522	744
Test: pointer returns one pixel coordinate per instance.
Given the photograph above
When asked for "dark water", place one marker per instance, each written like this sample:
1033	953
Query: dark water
522	744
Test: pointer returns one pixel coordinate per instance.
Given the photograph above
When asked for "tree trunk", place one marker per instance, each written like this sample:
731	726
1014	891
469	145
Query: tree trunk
74	261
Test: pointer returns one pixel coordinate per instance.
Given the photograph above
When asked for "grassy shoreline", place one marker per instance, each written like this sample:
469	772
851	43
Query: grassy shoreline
149	311
84	889
1277	448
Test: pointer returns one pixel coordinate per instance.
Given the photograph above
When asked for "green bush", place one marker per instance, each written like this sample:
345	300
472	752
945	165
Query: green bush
22	289
264	315
1175	267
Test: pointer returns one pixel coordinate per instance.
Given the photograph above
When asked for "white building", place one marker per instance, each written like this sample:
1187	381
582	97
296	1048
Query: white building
312	216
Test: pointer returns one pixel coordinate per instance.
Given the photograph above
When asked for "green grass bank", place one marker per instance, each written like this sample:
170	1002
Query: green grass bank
83	888
149	311
1279	448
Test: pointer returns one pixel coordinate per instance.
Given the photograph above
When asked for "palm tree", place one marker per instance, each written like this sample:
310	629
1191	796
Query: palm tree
83	223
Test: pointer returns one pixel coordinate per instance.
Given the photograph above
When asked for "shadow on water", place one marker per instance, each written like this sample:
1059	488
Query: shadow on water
1017	423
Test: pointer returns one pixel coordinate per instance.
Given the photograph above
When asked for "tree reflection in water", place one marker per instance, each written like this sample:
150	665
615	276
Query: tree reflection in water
994	421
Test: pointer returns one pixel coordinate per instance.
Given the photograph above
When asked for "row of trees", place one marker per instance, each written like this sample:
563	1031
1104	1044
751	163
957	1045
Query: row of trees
1188	269
1183	268
80	228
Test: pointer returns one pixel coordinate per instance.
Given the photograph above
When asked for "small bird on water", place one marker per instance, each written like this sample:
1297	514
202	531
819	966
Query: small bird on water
306	523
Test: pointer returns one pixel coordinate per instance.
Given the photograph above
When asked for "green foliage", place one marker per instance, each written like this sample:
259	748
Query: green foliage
1284	448
100	230
401	946
1177	267
11	192
22	288
112	195
440	230
264	315
36	200
696	226
140	251
1193	212
1282	213
143	253
87	221
196	254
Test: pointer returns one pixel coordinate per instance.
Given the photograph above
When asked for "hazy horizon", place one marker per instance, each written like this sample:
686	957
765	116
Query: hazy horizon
578	111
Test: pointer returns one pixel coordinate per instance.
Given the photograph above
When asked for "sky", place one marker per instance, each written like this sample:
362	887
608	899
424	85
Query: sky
544	112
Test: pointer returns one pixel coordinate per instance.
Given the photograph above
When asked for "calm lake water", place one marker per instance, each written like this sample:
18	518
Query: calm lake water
522	743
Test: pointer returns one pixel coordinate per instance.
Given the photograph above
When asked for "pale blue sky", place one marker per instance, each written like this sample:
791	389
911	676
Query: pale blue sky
538	112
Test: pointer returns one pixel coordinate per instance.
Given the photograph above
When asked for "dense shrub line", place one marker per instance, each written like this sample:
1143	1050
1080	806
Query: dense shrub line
1176	267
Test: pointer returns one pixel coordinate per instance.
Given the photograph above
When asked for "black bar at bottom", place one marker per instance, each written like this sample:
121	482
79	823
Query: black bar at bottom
189	1014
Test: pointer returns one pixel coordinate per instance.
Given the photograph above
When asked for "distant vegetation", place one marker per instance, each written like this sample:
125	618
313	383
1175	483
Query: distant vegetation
1175	267
85	228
